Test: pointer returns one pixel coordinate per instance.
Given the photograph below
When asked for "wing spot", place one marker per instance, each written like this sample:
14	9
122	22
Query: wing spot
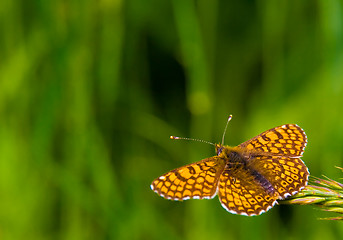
200	180
191	170
187	193
284	183
289	163
178	195
167	183
164	189
177	181
289	179
159	185
191	181
172	177
196	193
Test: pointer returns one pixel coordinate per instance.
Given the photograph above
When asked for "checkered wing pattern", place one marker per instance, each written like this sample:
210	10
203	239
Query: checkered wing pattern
287	175
194	181
286	140
240	193
245	197
274	155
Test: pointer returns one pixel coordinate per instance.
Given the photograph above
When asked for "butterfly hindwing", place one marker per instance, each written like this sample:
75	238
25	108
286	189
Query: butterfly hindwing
287	175
241	196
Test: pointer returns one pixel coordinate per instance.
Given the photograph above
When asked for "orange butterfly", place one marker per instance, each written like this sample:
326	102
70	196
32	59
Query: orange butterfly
248	178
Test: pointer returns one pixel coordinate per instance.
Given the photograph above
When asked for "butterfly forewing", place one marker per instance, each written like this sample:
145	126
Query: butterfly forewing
197	180
286	140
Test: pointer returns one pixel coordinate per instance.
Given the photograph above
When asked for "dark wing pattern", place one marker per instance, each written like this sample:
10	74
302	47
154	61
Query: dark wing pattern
286	140
244	197
197	180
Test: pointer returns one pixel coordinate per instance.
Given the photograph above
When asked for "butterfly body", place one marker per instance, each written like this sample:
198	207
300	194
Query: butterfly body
238	161
248	178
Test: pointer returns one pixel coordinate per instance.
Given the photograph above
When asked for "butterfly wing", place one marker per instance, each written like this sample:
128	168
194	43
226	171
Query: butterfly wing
245	192
286	140
287	175
240	194
197	180
276	154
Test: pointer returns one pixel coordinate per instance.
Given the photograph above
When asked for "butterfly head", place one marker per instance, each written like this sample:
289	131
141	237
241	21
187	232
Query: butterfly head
219	149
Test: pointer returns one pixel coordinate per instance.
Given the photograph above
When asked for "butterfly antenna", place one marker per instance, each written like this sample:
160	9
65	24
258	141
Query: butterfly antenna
227	123
191	139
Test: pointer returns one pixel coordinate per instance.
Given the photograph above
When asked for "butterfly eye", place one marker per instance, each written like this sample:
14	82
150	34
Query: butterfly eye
219	150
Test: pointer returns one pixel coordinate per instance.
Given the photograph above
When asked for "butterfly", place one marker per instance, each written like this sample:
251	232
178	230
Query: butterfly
249	178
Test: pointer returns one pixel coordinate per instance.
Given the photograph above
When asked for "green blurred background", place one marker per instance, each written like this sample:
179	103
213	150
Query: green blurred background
90	92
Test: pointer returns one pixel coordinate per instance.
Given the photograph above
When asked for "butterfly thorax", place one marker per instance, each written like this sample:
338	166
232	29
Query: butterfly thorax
237	161
233	156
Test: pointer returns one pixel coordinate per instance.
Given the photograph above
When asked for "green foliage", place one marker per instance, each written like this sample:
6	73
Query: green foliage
90	92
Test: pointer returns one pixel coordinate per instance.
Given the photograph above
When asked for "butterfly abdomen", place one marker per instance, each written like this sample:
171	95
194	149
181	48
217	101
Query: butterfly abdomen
264	183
